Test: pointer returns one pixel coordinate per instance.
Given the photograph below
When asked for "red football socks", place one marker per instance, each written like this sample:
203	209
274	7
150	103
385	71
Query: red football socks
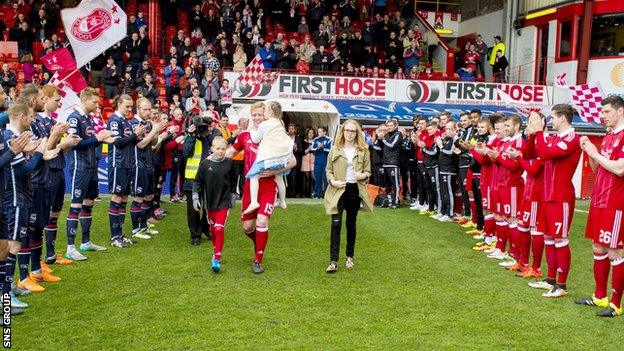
551	258
537	250
262	236
564	258
217	241
617	281
601	274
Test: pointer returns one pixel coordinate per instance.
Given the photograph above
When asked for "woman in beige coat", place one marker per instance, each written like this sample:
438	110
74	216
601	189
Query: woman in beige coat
348	169
239	59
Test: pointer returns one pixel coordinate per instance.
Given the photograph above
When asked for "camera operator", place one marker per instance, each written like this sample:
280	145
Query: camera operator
198	140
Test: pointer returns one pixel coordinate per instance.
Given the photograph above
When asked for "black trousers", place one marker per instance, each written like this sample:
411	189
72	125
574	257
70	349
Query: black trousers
238	178
465	198
413	180
392	183
308	184
476	192
435	200
405	179
349	202
447	192
292	181
377	178
426	194
197	222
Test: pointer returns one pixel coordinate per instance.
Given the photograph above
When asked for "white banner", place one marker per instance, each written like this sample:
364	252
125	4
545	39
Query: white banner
92	27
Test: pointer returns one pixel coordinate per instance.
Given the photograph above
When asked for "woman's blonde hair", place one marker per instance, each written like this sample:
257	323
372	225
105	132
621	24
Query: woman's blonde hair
359	141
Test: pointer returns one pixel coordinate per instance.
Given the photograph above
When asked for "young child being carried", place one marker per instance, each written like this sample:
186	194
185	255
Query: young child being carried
275	150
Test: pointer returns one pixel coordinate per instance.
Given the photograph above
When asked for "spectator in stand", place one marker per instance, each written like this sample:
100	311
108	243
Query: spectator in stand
499	69
173	73
185	81
202	49
210	86
481	49
197	18
116	52
212	63
239	58
24	38
141	21
225	92
303	67
391	66
139	77
399	74
174	53
9	80
148	90
411	56
321	60
173	161
195	105
111	79
284	58
414	72
178	40
431	40
29	69
56	42
303	26
97	65
134	50
321	36
192	84
176	102
43	27
132	25
498	45
337	63
185	48
394	46
307	48
429	73
126	83
471	57
267	54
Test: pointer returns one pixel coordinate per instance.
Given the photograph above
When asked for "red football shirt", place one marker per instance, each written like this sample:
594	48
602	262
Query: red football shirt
243	143
609	188
534	186
485	161
561	154
508	171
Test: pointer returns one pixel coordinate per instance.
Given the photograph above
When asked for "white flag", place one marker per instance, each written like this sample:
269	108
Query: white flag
70	101
92	27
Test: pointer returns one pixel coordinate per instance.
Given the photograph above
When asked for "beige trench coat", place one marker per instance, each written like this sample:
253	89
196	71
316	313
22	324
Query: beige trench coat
337	170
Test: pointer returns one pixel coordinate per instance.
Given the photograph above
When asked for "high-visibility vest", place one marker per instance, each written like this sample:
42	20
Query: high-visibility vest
192	164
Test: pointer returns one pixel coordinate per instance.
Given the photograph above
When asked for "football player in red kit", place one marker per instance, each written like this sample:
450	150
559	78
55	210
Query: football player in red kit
604	222
510	186
561	153
256	223
531	225
486	127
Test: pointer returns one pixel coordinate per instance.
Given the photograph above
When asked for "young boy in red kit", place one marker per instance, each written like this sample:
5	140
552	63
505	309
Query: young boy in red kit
211	191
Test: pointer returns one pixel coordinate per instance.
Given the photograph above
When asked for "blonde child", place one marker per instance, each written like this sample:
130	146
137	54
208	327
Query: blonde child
274	151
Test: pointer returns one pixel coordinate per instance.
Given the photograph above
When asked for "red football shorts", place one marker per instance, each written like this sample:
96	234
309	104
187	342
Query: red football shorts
604	227
217	217
510	201
531	216
489	199
558	218
469	176
267	193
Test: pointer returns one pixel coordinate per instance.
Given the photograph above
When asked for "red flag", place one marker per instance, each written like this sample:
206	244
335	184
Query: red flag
439	20
63	64
59	60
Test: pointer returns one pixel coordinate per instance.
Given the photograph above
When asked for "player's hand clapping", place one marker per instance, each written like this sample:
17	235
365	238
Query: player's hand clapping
19	143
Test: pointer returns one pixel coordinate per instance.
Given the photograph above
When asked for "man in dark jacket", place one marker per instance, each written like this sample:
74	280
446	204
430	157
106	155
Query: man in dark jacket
197	143
7	78
321	60
391	143
148	90
111	75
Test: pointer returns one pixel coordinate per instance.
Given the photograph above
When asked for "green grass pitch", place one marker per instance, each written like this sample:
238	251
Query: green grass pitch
417	285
